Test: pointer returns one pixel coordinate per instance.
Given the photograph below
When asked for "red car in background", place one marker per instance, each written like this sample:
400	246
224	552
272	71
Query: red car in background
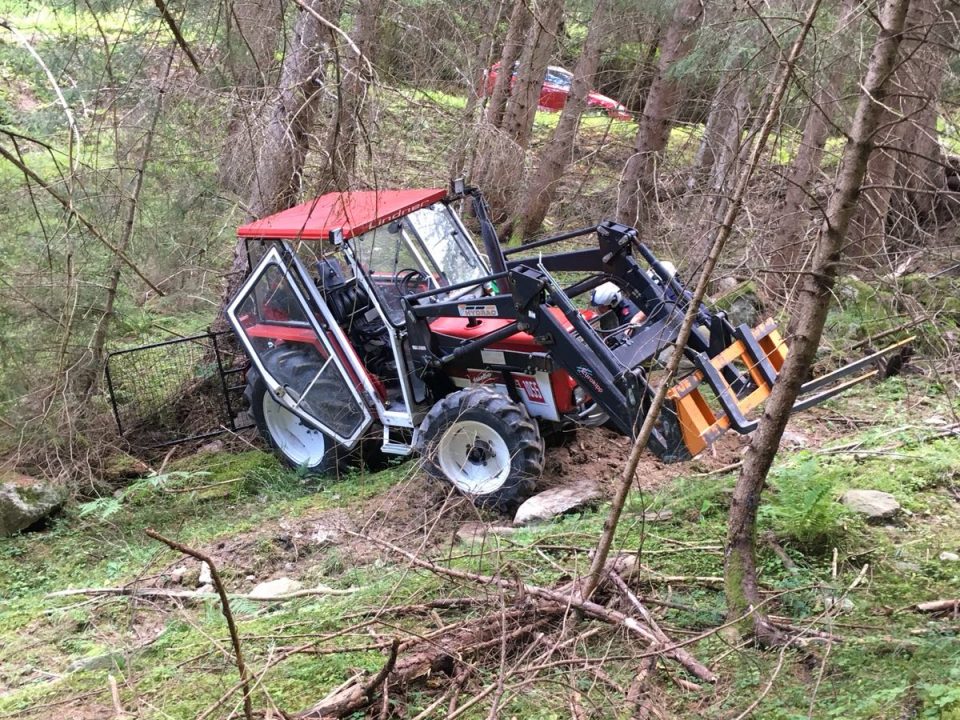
556	88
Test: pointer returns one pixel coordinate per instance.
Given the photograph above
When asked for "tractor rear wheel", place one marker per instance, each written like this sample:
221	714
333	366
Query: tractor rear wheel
295	443
485	445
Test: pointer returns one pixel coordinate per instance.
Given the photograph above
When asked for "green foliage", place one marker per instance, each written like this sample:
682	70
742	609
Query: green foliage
803	508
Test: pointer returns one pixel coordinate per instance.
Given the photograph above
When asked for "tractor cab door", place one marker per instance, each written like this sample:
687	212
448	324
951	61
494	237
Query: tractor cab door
295	343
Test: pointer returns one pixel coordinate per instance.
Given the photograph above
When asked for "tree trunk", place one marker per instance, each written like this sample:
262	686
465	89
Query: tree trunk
726	148
740	570
541	44
520	20
483	55
278	167
718	122
639	175
558	152
903	121
253	31
785	253
920	170
355	75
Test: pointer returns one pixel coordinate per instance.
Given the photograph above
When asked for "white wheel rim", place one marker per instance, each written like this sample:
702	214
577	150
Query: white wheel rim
301	444
474	457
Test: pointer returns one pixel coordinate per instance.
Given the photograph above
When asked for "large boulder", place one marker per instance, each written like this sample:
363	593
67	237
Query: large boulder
24	501
874	504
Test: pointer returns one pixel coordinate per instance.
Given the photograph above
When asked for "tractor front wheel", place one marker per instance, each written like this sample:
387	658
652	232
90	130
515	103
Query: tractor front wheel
297	444
485	445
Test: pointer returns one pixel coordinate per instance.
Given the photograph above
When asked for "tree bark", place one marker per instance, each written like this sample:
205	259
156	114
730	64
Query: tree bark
785	253
558	152
483	55
252	36
905	120
639	175
540	45
520	20
346	133
920	170
278	166
740	569
723	233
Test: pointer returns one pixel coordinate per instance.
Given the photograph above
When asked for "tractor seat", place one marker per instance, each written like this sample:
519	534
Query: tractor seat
459	329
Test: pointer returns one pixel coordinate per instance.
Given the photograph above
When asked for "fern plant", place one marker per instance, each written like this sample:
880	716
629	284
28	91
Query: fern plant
803	508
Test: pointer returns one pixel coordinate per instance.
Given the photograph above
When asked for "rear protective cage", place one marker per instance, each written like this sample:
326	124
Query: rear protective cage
176	391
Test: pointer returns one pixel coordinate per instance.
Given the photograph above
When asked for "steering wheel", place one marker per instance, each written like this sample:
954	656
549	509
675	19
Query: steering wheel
404	280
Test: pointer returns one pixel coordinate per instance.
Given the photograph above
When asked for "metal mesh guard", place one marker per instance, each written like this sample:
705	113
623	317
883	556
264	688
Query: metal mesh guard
175	391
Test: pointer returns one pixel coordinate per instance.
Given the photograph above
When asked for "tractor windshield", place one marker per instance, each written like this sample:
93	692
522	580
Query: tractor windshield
427	249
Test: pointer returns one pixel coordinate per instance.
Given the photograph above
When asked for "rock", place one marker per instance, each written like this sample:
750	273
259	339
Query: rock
211	448
24	501
846	604
205	577
179	573
251	578
324	536
555	501
275	588
206	589
947	556
658	516
740	302
794	439
110	661
874	504
906	566
724	285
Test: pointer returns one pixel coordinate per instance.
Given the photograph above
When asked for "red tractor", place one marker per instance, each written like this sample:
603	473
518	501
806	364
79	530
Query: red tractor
371	318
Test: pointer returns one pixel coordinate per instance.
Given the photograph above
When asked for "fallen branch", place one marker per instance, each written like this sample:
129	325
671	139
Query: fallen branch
347	700
196	595
225	608
938	606
562	601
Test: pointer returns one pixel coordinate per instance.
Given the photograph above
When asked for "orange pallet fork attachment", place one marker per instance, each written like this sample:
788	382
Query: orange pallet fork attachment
762	352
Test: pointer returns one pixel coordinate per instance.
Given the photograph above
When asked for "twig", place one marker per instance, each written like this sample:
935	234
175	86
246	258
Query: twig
197	488
68	206
225	608
178	36
115	696
886	333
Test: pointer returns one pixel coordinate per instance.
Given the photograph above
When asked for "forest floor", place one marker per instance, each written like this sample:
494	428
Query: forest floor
856	583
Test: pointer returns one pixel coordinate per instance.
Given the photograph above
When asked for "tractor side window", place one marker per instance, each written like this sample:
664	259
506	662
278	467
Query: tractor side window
451	250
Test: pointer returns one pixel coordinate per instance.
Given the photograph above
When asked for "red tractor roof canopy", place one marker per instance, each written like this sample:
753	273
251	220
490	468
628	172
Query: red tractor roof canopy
354	212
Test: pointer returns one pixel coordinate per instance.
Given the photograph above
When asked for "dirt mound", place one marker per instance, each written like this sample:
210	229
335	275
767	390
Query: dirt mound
600	454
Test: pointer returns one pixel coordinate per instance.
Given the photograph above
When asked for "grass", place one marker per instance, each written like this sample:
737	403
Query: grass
902	662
